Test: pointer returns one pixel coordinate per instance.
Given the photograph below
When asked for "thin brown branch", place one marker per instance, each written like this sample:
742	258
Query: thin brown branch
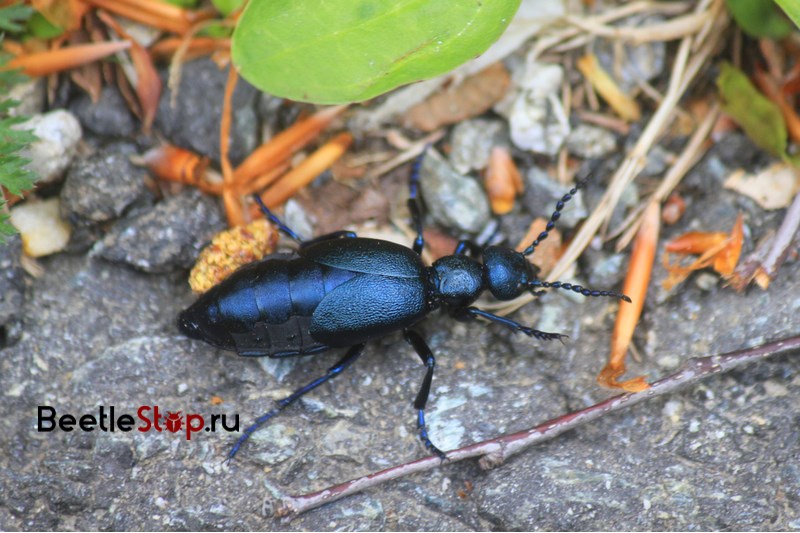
494	452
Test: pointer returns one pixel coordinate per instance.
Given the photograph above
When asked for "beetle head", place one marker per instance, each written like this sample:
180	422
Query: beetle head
507	272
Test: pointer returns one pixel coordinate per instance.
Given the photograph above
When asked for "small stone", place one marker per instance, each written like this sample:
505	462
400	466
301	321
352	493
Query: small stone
591	142
167	237
472	142
58	134
706	281
202	87
640	62
42	230
29	94
453	200
537	119
101	187
12	291
542	193
606	271
108	117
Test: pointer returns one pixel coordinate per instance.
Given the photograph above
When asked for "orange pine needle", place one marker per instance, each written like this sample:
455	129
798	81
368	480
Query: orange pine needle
305	172
171	163
625	106
150	12
230	197
281	147
264	180
636	282
198	46
52	61
503	182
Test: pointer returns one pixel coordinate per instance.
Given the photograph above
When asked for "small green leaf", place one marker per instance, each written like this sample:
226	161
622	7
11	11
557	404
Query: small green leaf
759	117
760	18
12	18
341	51
41	28
792	8
226	7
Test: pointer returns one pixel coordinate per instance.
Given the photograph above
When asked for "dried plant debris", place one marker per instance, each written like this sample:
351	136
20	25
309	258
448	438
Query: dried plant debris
717	250
231	249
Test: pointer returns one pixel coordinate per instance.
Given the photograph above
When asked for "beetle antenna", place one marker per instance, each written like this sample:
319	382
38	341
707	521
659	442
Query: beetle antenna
556	215
575	288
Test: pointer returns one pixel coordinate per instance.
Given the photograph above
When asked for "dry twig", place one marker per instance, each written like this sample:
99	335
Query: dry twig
494	452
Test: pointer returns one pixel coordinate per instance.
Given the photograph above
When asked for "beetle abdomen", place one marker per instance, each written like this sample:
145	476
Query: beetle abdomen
264	308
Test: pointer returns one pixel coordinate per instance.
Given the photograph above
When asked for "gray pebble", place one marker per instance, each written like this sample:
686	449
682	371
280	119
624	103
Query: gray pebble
453	200
12	290
591	142
165	238
194	121
640	63
541	194
472	143
109	116
99	188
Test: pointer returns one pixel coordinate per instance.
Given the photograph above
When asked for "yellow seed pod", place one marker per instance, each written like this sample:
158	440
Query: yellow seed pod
231	249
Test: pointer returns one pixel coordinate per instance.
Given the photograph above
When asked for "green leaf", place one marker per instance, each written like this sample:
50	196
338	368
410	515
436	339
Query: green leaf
759	117
341	51
41	28
760	18
792	8
12	18
226	7
183	3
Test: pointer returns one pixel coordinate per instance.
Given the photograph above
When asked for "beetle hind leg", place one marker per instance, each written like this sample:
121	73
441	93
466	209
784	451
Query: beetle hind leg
351	355
424	352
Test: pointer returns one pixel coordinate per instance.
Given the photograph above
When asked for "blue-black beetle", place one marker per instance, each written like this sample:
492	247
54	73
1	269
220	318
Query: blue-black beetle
340	291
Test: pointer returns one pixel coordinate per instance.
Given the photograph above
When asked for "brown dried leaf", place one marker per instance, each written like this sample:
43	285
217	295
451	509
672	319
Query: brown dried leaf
476	95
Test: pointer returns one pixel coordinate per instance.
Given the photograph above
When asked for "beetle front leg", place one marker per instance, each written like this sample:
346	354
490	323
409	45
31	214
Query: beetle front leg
424	352
469	313
351	355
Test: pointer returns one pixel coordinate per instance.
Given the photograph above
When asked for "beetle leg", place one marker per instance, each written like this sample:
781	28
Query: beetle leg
272	217
351	355
473	312
424	352
414	205
465	246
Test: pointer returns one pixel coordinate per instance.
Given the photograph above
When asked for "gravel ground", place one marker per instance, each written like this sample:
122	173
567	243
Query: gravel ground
98	329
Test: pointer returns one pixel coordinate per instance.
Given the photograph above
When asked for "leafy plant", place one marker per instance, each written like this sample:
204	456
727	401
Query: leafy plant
14	175
342	51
